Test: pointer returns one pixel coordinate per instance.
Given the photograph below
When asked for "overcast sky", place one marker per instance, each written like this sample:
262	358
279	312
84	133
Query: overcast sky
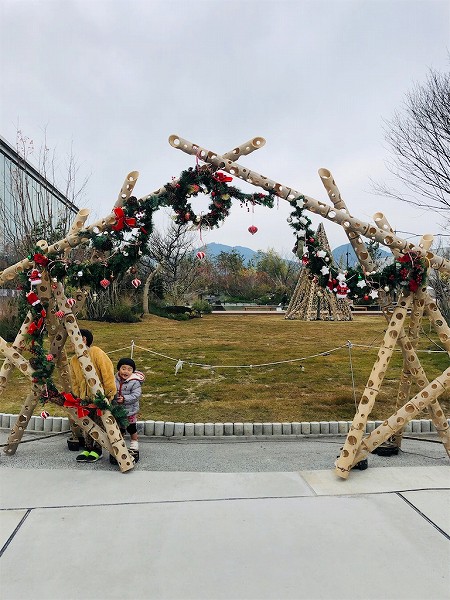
113	79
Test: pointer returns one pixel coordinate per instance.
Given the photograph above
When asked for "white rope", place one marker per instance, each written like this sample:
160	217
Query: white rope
120	349
208	366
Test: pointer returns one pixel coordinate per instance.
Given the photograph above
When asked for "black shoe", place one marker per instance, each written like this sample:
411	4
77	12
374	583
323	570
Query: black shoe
134	454
362	465
73	444
93	456
83	457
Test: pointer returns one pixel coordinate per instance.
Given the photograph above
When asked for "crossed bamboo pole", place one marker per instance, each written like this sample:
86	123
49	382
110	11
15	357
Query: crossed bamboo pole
51	294
342	217
339	214
412	368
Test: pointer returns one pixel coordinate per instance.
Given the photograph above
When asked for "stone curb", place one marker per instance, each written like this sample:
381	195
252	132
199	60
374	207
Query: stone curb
169	429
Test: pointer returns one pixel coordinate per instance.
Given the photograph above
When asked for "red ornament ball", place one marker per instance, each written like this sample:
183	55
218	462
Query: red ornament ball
200	255
252	229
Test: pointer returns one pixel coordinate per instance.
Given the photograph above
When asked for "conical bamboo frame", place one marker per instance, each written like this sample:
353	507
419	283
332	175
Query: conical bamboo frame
309	302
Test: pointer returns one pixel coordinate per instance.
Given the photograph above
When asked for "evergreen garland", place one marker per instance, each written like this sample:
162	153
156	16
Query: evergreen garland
407	272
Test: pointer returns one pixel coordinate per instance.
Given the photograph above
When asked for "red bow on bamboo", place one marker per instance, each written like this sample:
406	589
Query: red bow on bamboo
71	402
222	177
122	220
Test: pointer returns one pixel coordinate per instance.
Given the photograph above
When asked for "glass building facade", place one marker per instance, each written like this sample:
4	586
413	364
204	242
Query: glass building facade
27	198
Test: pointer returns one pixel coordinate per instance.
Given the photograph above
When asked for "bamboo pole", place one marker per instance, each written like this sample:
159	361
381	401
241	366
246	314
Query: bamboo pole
116	446
357	243
23	419
18	344
407	412
348	222
244	149
127	188
349	451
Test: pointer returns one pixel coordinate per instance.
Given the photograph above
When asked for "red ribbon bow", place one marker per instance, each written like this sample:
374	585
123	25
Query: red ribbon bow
122	220
72	402
40	259
222	177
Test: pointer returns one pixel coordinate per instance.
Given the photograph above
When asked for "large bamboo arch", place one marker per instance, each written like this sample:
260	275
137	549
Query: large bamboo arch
356	446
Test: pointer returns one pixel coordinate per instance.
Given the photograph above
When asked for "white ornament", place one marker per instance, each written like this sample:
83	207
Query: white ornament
324	270
373	294
386	288
300	203
361	284
80	274
303	220
340	277
321	253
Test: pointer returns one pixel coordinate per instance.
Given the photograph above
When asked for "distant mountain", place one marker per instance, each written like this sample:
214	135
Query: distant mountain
344	256
339	254
212	250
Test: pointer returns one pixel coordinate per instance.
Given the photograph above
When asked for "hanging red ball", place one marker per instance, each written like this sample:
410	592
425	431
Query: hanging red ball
200	255
104	283
252	229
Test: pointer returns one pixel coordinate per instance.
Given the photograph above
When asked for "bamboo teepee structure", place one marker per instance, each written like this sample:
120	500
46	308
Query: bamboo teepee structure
310	302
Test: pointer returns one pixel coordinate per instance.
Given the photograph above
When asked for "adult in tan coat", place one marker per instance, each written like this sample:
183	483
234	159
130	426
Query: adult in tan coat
106	375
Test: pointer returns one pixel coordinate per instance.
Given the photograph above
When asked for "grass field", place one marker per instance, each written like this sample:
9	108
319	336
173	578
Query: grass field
230	389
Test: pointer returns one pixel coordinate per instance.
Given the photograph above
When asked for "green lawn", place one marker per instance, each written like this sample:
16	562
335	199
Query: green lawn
317	388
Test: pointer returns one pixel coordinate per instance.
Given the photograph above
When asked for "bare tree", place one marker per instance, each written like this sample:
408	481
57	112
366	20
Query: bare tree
173	251
440	282
419	139
34	207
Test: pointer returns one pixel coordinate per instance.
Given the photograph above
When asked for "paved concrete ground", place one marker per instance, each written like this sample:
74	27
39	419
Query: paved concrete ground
262	519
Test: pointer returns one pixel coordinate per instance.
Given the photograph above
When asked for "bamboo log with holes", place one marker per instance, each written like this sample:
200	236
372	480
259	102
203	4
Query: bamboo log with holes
351	446
341	217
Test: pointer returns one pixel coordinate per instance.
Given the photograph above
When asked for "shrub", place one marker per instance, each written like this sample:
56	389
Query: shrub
202	306
121	312
10	320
